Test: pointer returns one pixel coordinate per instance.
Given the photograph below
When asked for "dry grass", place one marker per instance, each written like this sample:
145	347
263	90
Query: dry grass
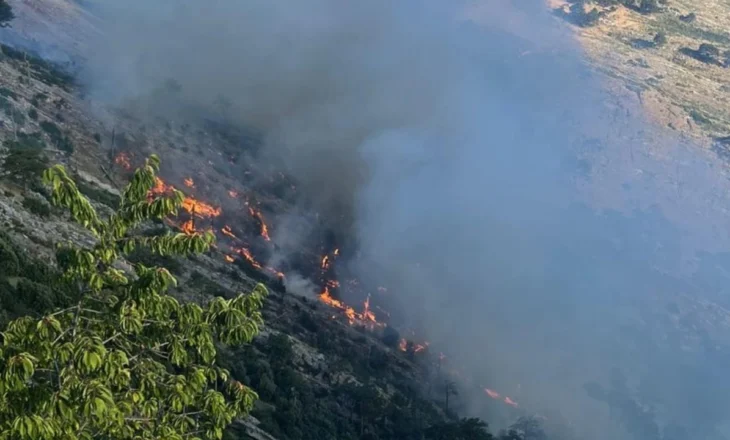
677	91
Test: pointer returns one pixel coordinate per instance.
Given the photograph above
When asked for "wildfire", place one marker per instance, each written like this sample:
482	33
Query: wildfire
417	348
227	231
232	194
403	345
325	263
260	217
249	257
188	227
123	160
189	182
366	313
200	209
229	259
366	318
161	187
420	347
496	396
190	204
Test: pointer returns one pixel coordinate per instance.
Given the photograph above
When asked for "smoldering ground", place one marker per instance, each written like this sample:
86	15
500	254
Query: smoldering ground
453	135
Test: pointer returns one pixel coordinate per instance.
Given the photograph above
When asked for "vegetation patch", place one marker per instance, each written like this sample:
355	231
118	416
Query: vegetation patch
37	206
40	69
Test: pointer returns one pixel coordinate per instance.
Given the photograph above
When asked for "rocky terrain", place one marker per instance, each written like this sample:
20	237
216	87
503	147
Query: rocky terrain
323	369
314	364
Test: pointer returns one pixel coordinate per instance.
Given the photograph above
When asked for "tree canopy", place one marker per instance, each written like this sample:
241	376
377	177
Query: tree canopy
127	360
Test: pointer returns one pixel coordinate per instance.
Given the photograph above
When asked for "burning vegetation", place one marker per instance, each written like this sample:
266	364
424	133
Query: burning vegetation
198	215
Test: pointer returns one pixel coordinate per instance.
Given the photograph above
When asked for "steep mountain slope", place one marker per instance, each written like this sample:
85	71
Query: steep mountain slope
322	352
323	370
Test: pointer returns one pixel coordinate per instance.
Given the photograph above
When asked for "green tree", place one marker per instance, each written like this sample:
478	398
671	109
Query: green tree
6	14
127	360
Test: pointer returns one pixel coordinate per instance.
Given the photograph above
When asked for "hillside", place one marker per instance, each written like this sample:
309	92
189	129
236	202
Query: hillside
323	370
676	85
327	369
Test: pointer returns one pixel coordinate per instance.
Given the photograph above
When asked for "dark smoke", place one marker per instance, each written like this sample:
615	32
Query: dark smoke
533	225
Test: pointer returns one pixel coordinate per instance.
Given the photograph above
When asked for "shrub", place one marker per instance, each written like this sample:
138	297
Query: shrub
25	165
688	18
7	93
5	104
391	337
648	6
52	130
37	206
33	114
40	69
9	264
6	14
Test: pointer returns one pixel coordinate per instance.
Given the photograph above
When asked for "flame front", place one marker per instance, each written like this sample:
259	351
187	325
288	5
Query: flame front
227	231
249	257
200	209
260	217
188	227
123	160
506	399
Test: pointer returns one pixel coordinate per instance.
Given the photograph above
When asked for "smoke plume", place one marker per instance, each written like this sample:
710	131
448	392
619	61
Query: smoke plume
531	224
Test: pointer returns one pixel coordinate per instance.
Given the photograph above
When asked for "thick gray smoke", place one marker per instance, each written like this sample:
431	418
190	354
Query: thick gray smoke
477	158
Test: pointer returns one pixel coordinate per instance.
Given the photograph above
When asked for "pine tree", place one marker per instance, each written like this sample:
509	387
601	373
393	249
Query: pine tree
128	360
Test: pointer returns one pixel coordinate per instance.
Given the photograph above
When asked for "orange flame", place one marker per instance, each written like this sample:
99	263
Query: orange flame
227	231
252	261
249	257
233	194
199	209
496	396
403	345
189	182
229	259
190	204
260	217
367	314
123	160
188	227
326	298
161	187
